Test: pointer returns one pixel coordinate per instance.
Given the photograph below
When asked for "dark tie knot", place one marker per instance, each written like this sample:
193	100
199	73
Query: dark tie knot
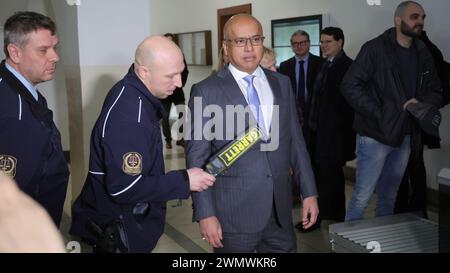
301	62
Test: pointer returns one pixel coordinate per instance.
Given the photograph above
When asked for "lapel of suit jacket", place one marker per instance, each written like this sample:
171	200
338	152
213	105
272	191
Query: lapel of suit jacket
234	94
293	74
311	72
276	91
231	88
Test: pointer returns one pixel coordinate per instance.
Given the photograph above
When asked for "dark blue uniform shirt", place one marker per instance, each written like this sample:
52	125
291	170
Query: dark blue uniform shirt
126	180
30	145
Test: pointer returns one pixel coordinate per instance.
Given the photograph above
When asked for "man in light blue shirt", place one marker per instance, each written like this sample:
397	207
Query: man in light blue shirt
30	143
25	82
302	69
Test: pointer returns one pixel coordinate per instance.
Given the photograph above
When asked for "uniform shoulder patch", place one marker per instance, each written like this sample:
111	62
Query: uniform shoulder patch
8	165
132	163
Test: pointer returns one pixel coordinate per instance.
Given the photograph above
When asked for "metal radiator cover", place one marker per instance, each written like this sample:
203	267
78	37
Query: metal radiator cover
402	233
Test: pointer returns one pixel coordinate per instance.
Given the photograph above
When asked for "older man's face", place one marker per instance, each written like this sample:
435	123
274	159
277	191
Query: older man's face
244	46
300	45
37	59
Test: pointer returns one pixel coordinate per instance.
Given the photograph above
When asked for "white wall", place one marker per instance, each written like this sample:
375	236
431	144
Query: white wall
359	21
110	30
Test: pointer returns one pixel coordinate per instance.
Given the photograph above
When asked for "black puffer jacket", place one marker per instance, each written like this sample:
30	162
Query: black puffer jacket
372	86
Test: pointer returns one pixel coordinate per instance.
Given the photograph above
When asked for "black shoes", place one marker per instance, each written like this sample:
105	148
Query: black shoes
168	145
180	142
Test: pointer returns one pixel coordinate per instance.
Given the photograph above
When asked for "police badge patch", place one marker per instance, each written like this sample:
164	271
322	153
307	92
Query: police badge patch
8	165
132	163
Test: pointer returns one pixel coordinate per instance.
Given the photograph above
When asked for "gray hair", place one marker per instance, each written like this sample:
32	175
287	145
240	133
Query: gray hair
20	24
300	33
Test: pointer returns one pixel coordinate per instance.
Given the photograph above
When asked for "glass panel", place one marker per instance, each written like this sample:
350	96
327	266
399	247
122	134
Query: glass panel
185	43
196	47
282	32
282	54
315	50
200	50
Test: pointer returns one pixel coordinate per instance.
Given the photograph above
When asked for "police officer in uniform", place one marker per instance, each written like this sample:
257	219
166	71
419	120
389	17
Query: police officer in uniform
30	143
123	203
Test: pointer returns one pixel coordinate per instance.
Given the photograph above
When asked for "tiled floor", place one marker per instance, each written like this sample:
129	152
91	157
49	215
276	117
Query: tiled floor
182	236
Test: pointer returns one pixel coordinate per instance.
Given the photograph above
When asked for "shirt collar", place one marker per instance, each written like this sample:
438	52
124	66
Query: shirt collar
305	59
32	89
239	75
331	60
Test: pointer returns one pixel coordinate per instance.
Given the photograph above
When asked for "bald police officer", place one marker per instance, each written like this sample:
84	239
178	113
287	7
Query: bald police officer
123	203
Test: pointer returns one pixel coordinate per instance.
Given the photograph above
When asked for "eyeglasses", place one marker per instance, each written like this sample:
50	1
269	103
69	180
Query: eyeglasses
302	43
240	42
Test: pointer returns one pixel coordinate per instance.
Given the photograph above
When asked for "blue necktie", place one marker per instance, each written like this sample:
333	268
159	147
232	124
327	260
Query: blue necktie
254	102
301	90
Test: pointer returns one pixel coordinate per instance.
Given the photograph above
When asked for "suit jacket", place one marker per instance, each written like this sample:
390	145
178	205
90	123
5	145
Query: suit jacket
288	68
334	137
243	198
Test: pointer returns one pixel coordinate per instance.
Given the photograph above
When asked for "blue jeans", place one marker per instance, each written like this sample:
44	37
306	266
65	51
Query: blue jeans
378	165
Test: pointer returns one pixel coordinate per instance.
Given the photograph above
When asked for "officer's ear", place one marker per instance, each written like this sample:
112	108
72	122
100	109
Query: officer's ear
341	43
15	53
143	72
397	21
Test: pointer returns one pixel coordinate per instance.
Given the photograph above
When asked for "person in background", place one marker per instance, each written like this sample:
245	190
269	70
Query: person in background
390	72
269	60
302	70
223	61
30	144
122	205
412	194
330	124
177	98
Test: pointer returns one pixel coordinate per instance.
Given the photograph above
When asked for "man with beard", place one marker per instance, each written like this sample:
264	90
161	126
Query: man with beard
390	72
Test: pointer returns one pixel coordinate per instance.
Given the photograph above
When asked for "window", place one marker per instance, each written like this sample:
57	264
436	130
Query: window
282	30
196	47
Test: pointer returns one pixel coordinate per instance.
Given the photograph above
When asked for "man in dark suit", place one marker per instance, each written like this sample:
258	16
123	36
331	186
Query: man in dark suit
331	120
302	69
250	208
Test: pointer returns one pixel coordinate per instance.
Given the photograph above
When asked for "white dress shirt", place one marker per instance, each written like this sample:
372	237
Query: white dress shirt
262	88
